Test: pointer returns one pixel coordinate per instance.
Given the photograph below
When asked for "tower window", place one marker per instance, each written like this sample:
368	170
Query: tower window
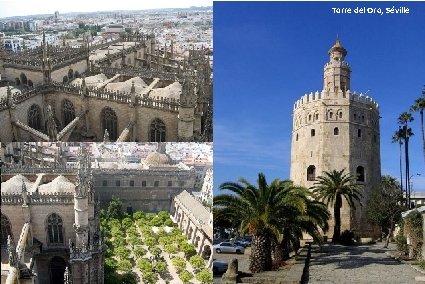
360	173
317	116
309	117
359	133
118	183
156	183
296	137
374	138
132	183
362	118
313	132
340	114
336	131
311	173
331	114
355	116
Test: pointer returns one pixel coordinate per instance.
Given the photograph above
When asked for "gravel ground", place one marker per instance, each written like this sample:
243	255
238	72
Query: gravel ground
359	264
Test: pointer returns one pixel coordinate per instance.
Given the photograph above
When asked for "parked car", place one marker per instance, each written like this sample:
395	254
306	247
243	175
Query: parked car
228	247
219	267
240	243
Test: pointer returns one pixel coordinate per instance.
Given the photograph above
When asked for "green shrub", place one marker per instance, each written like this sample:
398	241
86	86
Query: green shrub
144	265
155	251
139	251
139	215
422	264
149	278
197	262
129	278
124	265
160	266
171	249
179	263
188	249
127	223
122	252
150	241
185	276
205	276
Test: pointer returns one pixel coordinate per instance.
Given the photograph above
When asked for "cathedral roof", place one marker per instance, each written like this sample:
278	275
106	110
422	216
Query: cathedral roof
172	91
59	184
139	85
14	184
157	159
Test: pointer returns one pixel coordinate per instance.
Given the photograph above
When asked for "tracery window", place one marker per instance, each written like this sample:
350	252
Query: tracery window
157	131
6	229
109	120
55	229
34	117
68	112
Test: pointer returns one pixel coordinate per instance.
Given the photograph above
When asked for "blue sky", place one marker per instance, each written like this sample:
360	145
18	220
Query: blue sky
267	55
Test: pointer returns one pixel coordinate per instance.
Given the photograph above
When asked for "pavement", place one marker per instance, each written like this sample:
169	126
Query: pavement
359	264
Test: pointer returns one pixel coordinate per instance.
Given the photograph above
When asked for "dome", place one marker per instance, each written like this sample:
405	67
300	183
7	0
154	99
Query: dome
59	184
14	185
338	47
157	159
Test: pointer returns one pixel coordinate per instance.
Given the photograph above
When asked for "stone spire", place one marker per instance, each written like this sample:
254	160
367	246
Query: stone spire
11	251
24	194
52	131
133	94
67	279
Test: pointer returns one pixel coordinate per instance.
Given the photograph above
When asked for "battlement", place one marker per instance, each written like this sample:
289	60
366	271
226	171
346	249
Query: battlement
348	96
343	64
38	198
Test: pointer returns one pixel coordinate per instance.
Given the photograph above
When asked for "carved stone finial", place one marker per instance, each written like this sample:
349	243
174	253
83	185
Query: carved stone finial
13	257
133	89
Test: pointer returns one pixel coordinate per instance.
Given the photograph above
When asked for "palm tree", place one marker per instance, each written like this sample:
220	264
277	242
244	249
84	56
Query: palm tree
406	132
419	106
299	213
331	188
398	138
254	209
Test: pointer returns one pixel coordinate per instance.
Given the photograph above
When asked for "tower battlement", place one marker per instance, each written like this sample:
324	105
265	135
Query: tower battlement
343	97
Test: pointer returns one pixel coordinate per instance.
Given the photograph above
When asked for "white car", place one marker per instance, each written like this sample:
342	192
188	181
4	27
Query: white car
228	247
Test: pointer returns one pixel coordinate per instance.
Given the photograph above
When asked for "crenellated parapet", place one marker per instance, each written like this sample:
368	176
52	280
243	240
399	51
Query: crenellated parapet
325	96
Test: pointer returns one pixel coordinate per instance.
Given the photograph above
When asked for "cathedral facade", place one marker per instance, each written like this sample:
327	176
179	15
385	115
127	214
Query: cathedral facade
49	225
125	90
337	129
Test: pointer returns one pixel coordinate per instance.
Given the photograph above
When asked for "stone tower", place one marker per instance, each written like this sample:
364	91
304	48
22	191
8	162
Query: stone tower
337	129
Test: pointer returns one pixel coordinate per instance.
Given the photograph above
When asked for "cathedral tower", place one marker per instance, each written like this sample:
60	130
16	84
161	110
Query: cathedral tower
337	129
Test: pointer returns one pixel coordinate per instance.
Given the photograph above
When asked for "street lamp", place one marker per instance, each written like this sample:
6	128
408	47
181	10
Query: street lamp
411	186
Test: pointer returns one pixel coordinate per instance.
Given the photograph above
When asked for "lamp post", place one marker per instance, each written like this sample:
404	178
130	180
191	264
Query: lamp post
411	187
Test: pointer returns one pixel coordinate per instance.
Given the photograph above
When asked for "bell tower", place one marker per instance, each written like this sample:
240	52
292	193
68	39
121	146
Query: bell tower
336	75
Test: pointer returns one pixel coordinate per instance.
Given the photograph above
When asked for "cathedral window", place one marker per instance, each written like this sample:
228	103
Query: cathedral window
359	133
156	184
34	117
362	118
6	230
157	131
105	183
70	74
311	173
109	121
336	131
360	173
118	183
68	112
355	116
55	229
131	183
313	132
65	79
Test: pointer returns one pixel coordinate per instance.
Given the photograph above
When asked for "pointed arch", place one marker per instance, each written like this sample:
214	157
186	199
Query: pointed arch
157	131
57	268
54	229
34	117
24	80
110	121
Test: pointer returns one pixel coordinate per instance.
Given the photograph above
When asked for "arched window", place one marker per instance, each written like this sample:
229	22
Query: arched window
360	173
317	116
336	131
6	229
359	133
157	130
313	132
331	114
23	79
30	83
309	117
340	114
109	120
70	74
34	117
296	137
68	112
76	74
55	229
311	173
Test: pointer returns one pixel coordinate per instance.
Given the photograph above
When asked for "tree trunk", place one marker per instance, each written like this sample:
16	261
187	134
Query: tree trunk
337	215
387	241
406	149
278	251
260	258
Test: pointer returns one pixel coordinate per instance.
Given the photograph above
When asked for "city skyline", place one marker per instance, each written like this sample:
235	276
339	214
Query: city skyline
31	8
269	56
